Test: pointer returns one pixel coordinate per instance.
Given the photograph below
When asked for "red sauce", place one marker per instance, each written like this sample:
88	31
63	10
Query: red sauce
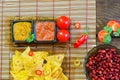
45	31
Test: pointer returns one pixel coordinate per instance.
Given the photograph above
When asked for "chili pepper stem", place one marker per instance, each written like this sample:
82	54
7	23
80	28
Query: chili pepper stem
86	32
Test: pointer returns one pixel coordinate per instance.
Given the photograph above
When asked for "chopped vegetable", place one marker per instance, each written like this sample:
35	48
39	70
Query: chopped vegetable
101	35
118	30
30	38
77	25
31	53
112	27
117	33
38	72
108	29
111	23
107	39
104	37
45	31
114	24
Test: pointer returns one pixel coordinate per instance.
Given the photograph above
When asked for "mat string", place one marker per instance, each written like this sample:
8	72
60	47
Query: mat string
19	9
2	14
69	53
53	19
53	9
87	24
36	9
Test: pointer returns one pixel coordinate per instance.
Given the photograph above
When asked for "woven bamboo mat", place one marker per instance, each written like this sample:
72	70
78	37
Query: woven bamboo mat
75	9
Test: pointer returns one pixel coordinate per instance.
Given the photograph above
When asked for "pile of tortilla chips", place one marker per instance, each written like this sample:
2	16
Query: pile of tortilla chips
23	66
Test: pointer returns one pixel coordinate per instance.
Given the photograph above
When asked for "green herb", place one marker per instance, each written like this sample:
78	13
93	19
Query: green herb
118	30
31	38
116	34
108	29
107	39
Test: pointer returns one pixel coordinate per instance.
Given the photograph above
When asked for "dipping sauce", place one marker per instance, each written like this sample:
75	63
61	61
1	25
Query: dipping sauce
45	31
21	30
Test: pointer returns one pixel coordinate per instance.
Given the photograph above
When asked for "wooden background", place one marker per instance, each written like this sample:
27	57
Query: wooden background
75	9
107	10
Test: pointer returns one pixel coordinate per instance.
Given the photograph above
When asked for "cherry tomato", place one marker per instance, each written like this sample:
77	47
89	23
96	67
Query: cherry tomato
101	35
110	23
30	53
63	35
38	72
114	24
77	25
63	22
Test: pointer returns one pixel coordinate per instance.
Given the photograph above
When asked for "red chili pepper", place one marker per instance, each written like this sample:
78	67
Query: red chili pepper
81	40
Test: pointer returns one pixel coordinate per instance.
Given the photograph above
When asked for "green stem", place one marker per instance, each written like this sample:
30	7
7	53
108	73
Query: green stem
86	30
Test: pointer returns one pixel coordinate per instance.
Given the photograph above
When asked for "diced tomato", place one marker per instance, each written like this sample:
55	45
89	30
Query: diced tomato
111	23
101	35
77	25
45	31
115	27
38	72
114	24
31	53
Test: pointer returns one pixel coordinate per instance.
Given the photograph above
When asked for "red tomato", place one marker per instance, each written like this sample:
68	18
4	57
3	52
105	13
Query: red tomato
101	35
63	35
38	72
63	22
30	53
114	24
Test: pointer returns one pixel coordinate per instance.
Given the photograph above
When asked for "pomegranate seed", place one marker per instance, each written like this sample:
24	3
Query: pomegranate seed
105	64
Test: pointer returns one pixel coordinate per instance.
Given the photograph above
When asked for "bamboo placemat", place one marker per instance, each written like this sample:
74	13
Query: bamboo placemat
75	9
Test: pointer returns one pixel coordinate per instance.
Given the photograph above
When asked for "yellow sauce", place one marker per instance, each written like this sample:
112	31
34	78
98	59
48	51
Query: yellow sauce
21	30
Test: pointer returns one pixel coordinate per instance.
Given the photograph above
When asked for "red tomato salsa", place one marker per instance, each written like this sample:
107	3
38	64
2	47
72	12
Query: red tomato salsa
45	30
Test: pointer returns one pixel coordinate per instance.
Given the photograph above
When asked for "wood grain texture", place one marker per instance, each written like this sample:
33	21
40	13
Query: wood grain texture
45	9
